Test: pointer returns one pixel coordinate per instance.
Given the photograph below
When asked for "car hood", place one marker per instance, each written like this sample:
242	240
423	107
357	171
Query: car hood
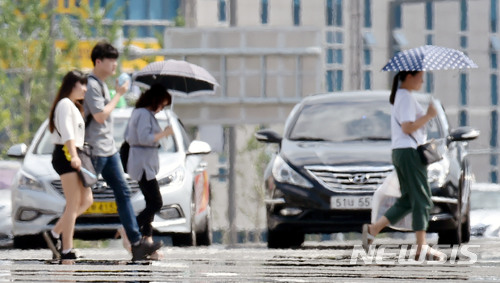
337	154
169	162
39	165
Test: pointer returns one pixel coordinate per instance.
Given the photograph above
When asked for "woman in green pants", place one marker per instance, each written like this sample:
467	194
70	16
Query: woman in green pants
408	119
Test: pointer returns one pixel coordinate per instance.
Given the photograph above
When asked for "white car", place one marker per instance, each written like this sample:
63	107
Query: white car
38	201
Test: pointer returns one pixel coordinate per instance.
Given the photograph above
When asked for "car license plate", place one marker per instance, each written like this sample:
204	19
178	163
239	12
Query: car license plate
102	208
351	202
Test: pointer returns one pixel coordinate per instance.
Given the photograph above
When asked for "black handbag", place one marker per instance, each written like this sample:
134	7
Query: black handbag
429	152
87	171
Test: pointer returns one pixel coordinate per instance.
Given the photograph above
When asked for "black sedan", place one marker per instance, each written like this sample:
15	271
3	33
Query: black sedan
336	151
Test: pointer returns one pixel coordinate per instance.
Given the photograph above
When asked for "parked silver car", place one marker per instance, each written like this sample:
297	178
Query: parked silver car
38	201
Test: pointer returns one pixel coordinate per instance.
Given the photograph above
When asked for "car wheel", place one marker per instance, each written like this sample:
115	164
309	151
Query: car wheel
466	226
454	236
284	239
205	237
187	239
29	242
450	237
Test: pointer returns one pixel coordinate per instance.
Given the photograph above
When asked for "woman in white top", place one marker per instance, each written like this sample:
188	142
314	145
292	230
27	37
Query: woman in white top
68	131
408	121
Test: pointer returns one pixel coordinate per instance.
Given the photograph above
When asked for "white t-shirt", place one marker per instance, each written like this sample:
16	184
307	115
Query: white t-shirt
406	109
69	123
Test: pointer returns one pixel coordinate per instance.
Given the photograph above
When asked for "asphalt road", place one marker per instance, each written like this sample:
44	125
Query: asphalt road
331	261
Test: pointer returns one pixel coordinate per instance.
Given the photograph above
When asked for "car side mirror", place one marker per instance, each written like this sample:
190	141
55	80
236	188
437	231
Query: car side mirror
17	150
268	136
199	147
463	134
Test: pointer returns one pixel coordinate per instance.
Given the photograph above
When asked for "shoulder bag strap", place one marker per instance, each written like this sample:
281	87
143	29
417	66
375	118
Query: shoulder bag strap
411	136
89	117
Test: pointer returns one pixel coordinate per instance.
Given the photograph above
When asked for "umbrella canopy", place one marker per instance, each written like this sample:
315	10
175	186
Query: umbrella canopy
179	78
428	58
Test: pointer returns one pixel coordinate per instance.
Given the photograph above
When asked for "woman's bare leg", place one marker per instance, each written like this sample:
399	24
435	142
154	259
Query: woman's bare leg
375	228
71	187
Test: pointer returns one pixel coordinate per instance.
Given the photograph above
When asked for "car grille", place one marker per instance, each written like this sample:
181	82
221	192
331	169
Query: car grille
101	191
349	178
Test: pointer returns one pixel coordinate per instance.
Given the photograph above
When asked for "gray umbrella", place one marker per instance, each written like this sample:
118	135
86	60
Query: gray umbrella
428	58
179	77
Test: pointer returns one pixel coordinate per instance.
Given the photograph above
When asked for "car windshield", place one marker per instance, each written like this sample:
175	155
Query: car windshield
45	146
368	120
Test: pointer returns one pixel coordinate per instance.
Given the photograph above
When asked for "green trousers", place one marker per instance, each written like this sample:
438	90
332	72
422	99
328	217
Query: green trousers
415	190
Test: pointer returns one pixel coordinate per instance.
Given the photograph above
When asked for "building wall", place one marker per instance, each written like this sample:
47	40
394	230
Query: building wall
313	13
380	52
207	13
280	13
248	13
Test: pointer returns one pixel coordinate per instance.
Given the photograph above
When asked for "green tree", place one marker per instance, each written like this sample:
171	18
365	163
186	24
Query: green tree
32	67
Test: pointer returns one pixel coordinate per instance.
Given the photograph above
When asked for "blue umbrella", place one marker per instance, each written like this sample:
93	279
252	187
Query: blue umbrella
428	58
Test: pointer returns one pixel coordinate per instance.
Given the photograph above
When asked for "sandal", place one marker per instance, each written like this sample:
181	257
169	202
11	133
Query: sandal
367	238
157	255
432	254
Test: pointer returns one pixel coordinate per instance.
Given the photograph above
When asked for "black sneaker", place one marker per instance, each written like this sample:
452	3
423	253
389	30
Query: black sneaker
145	249
70	255
54	244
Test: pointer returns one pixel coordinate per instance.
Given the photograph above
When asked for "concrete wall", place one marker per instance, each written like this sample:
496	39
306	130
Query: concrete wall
313	13
247	75
248	13
280	13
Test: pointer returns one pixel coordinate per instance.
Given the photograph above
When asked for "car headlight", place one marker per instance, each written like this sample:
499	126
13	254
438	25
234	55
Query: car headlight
174	178
437	172
26	181
283	173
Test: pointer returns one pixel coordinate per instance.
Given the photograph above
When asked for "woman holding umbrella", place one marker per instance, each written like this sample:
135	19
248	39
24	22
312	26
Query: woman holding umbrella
143	134
408	121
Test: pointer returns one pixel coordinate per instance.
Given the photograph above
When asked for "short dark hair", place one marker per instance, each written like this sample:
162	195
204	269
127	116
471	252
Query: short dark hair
103	50
154	97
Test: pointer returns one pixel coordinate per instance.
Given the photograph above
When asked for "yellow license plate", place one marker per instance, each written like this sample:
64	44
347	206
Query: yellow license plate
102	208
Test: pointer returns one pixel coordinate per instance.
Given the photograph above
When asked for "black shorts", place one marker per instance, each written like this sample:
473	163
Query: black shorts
59	161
